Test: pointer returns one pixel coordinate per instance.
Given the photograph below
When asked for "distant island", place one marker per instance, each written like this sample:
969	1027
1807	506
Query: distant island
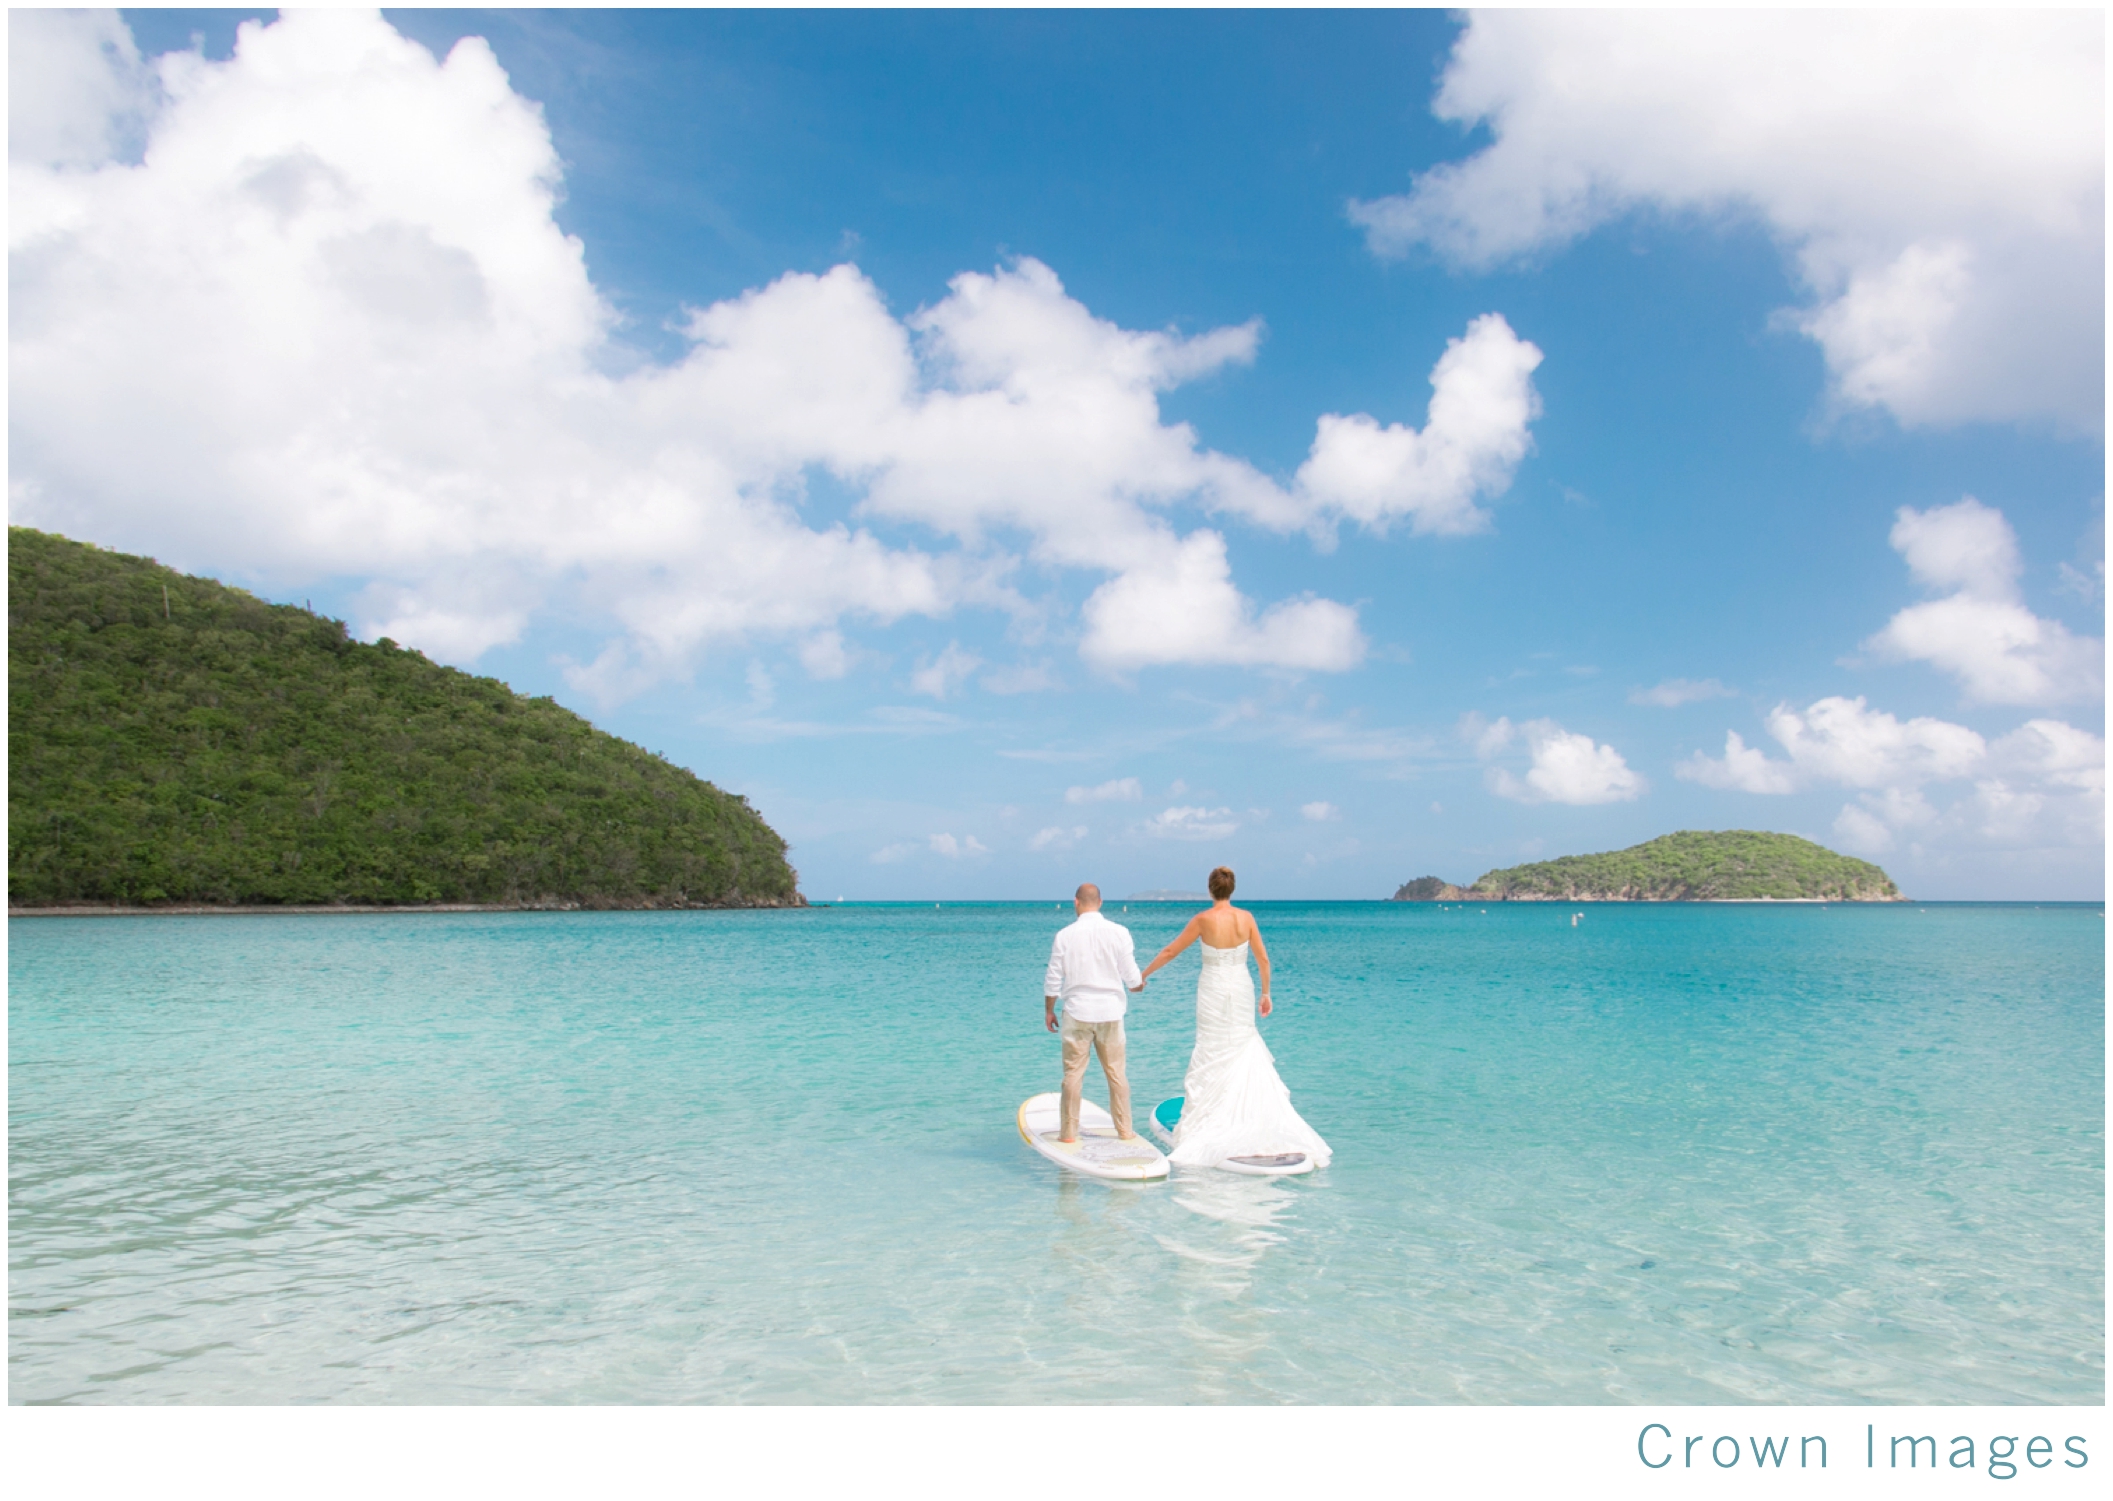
1737	865
175	742
1167	896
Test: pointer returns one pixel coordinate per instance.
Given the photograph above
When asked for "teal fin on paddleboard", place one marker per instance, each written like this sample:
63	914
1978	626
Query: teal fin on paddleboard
1165	1117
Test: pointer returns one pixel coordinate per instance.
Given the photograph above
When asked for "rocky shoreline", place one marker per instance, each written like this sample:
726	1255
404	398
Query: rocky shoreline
234	909
1469	894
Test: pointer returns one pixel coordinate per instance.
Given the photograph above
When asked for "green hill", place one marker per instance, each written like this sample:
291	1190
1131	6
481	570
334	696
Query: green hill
172	740
1736	865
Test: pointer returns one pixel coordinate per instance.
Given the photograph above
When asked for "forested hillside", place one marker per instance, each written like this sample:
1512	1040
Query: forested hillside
172	740
1733	865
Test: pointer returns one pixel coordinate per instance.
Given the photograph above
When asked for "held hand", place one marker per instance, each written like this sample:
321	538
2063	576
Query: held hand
1265	1005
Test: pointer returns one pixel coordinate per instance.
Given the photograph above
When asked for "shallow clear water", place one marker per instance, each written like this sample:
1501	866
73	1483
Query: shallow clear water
1673	1154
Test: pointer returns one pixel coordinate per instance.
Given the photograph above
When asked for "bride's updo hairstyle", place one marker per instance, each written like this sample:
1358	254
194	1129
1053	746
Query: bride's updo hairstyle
1221	883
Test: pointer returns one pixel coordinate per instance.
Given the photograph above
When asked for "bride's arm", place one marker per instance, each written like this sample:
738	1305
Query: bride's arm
1187	937
1254	938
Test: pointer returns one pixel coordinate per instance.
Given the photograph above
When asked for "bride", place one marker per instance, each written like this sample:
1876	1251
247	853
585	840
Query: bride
1234	1104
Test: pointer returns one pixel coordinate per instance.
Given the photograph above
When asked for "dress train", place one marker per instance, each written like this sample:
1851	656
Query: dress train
1234	1104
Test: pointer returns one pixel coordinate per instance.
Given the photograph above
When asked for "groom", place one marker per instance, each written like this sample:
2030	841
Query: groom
1091	964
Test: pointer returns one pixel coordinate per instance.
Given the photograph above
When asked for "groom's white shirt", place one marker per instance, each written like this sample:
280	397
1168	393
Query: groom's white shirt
1093	967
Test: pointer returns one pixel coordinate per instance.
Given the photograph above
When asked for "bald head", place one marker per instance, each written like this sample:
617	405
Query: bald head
1087	899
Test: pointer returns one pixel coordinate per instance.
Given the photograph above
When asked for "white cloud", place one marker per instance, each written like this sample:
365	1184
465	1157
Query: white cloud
2026	805
1871	825
1121	790
825	656
1743	769
1846	742
1487	738
2053	752
1901	807
1969	547
1192	823
459	615
944	845
1566	767
1181	606
1482	403
334	315
1862	833
1843	740
1674	692
1937	178
2088	582
945	673
2042	785
77	92
344	334
1320	812
1057	837
2047	786
2000	652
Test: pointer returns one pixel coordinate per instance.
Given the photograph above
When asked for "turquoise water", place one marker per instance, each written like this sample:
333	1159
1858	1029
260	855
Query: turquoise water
1673	1154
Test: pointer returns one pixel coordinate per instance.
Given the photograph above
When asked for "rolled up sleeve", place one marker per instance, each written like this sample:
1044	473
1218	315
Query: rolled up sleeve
1053	982
1131	978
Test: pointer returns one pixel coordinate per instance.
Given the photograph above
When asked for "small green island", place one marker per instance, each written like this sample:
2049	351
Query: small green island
175	742
1736	865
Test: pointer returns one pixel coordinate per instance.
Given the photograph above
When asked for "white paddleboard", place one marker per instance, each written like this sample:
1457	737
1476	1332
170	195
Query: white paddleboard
1167	1115
1099	1152
1271	1165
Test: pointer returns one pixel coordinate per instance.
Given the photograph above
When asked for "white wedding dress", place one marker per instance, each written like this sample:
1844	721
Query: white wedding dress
1234	1105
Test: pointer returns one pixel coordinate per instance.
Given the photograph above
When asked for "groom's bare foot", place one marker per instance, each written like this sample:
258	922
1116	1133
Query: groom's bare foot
1131	1137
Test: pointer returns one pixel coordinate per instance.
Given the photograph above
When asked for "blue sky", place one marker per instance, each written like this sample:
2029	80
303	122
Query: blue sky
627	357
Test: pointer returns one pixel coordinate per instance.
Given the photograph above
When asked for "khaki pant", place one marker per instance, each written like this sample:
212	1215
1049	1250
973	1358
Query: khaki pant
1105	1038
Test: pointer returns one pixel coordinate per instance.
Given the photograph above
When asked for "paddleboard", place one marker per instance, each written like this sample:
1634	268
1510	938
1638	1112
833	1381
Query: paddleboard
1167	1115
1271	1165
1099	1152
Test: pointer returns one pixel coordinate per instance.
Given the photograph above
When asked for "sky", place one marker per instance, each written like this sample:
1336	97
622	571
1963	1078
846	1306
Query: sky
1018	448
